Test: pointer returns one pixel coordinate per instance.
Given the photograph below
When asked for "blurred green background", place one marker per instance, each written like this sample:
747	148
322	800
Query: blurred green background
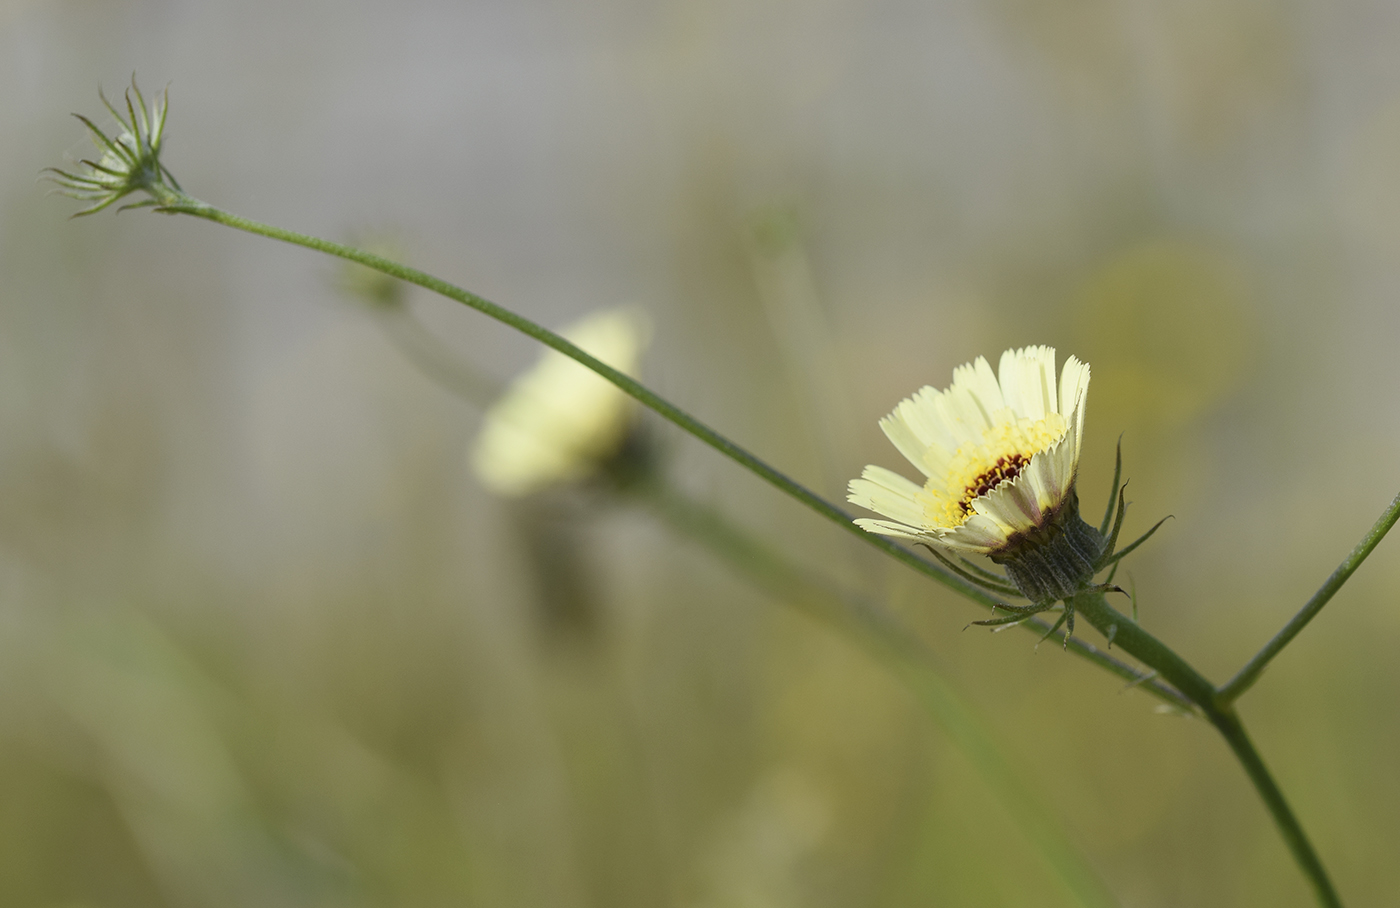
265	642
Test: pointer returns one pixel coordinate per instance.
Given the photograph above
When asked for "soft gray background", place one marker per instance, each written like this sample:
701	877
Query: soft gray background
263	641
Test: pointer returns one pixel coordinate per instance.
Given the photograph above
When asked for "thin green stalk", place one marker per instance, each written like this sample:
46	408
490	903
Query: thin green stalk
1228	723
1130	636
895	647
1250	673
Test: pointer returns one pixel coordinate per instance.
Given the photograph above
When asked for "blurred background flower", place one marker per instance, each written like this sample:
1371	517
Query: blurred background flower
263	639
559	422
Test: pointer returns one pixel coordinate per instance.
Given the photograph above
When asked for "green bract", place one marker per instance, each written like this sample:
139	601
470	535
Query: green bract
128	162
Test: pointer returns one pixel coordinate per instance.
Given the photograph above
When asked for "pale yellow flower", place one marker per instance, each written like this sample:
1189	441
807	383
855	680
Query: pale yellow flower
560	421
999	453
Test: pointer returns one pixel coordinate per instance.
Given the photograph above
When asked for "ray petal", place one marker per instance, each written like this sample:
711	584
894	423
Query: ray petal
1007	509
1021	382
979	535
901	434
924	412
889	528
888	493
980	384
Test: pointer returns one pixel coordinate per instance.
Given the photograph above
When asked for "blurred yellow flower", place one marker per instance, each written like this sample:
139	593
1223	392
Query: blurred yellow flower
559	421
999	455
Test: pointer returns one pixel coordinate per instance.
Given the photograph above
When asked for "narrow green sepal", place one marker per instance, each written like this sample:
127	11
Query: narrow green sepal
99	167
106	201
997	585
1134	544
1112	540
1019	614
1113	492
983	572
1067	613
174	183
108	104
998	623
1020	617
116	148
1034	609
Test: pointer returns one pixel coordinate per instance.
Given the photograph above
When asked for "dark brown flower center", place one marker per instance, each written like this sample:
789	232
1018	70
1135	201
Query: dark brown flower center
1005	469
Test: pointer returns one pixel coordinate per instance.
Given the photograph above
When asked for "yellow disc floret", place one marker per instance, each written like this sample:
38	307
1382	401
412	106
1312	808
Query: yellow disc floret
977	467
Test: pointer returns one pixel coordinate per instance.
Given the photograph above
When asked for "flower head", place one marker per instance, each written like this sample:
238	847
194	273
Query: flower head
127	163
560	422
999	454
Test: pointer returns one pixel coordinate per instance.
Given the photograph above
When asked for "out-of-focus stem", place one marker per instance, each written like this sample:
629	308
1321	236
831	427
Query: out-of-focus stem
435	359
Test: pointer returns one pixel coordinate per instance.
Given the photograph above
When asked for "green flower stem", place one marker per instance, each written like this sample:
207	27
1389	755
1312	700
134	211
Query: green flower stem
1228	724
897	649
1250	673
1129	636
171	201
1152	652
1135	677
